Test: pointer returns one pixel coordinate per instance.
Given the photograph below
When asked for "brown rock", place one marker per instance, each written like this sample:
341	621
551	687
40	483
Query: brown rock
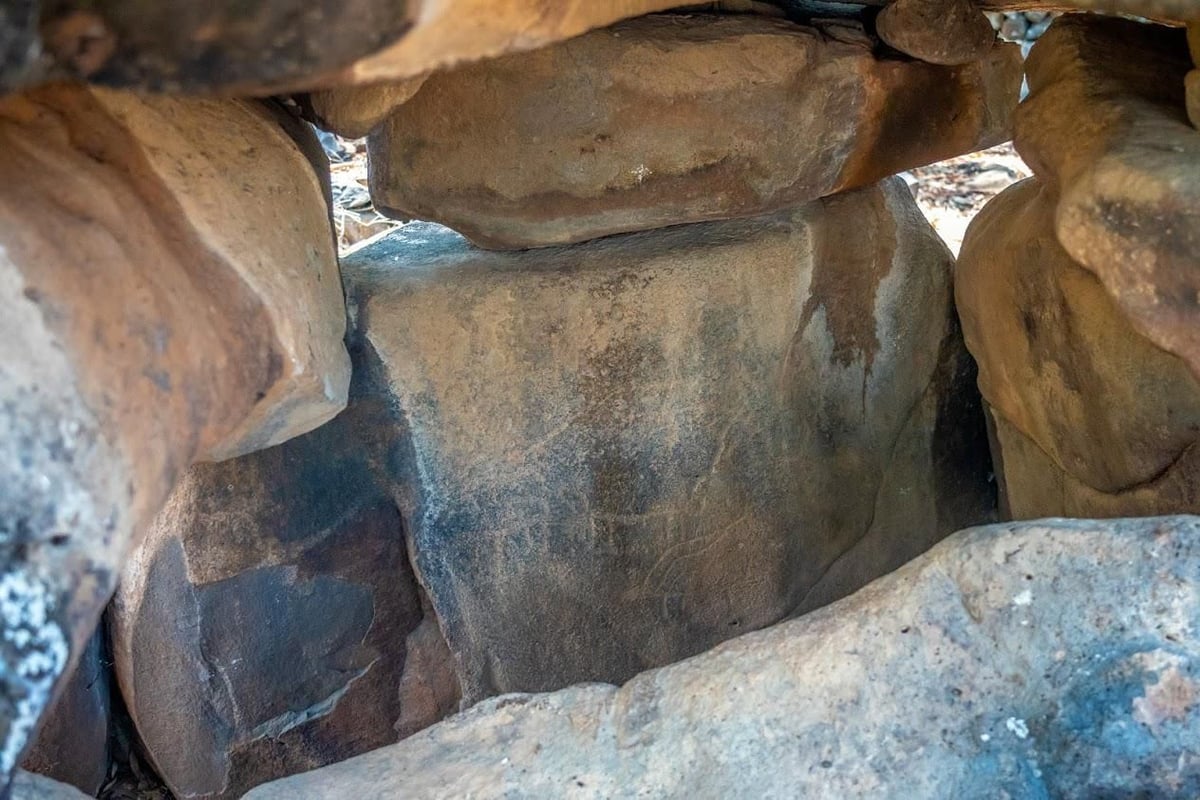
355	111
1053	659
1192	81
145	327
447	33
1091	418
271	622
673	119
938	31
226	45
1164	10
1105	127
72	740
618	454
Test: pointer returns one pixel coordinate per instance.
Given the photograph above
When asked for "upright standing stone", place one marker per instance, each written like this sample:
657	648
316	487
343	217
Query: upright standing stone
618	454
1044	660
673	119
271	622
170	289
1105	127
1091	419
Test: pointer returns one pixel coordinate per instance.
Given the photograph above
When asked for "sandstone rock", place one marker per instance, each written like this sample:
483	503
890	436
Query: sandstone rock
938	31
621	453
1164	10
355	111
1054	659
145	326
72	740
671	119
261	629
1092	419
1105	127
227	45
28	786
451	32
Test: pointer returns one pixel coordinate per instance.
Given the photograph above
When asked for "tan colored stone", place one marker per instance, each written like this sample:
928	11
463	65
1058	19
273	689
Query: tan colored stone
618	454
447	33
1092	419
1052	659
150	312
355	111
672	119
1192	87
1105	128
938	31
271	622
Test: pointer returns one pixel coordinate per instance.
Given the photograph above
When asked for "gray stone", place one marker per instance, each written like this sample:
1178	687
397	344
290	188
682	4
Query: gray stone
29	786
1056	659
72	740
618	454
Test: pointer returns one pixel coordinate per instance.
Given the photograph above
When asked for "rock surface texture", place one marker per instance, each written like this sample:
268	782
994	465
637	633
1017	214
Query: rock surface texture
670	119
72	740
270	622
1091	418
938	31
30	786
1027	660
1105	127
621	453
170	293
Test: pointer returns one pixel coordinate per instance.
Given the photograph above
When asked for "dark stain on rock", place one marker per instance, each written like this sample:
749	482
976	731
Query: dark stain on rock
848	267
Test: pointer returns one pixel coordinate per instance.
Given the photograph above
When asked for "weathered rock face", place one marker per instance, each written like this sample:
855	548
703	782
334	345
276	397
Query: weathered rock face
261	629
1105	128
670	119
355	111
451	32
72	739
1091	418
1040	660
170	293
228	45
938	31
621	453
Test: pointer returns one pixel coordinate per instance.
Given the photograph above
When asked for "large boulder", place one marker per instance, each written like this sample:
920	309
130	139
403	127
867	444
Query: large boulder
1055	659
670	119
31	786
72	743
618	454
1091	417
271	623
170	293
1105	127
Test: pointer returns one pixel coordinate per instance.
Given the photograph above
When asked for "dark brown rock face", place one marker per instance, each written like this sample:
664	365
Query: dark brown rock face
672	119
72	739
1054	659
271	622
618	454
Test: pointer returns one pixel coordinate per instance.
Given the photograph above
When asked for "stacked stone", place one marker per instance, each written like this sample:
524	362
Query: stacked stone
1077	289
